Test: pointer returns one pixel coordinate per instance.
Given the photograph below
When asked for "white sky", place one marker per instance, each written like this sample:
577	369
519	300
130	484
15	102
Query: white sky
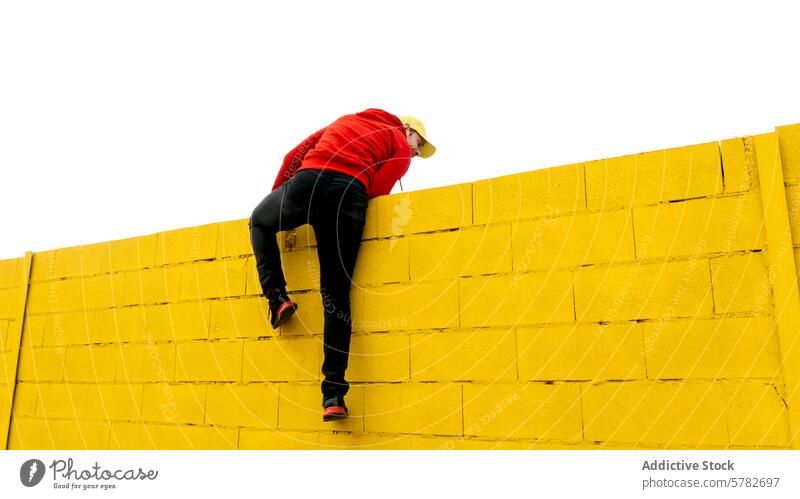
120	119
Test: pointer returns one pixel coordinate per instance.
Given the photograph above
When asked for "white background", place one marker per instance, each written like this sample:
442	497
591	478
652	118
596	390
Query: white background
120	119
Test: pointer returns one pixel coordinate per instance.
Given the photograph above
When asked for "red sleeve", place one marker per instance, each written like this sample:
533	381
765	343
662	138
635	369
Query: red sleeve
293	160
390	171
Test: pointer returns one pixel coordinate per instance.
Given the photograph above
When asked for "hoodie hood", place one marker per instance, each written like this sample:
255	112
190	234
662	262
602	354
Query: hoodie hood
380	116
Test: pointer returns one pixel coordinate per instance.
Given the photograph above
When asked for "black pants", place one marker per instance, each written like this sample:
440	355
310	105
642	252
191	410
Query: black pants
335	205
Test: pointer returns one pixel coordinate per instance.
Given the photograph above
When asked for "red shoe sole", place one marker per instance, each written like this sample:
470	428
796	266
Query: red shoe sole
285	311
334	412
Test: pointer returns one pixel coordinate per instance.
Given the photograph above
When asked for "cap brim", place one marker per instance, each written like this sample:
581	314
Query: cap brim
427	150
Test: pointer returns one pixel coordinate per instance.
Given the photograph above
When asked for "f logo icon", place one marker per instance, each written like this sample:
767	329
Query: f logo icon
31	472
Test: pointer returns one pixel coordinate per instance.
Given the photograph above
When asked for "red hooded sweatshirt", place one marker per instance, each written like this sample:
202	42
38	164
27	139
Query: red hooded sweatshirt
370	145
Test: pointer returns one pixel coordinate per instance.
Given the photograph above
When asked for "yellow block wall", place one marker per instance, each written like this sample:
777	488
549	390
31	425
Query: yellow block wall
619	303
11	287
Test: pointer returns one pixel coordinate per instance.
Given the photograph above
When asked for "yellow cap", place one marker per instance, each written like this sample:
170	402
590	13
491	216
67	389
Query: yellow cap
428	149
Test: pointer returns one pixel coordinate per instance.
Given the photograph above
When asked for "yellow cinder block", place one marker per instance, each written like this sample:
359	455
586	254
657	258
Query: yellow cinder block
276	440
114	402
92	258
539	445
378	357
789	145
150	323
107	326
741	347
19	277
234	238
740	174
241	318
3	334
45	297
174	403
581	352
756	414
517	298
33	330
382	261
91	364
213	279
741	284
580	239
297	239
371	221
547	192
5	399
300	269
190	320
421	408
103	291
699	226
363	441
209	361
309	318
8	365
29	434
68	328
793	208
528	410
133	253
301	409
408	213
666	175
462	443
481	354
146	362
253	405
671	414
187	244
359	324
32	434
154	323
473	251
41	364
11	272
159	285
643	291
282	359
420	305
58	400
67	263
26	399
43	266
252	285
10	300
170	436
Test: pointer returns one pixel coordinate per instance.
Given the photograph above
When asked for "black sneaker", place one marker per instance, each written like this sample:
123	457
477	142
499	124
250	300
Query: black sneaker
334	409
280	307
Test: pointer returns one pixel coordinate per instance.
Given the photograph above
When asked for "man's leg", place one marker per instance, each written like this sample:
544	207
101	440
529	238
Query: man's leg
287	207
338	242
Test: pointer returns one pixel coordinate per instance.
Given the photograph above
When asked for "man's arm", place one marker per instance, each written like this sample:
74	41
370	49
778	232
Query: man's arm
293	160
390	172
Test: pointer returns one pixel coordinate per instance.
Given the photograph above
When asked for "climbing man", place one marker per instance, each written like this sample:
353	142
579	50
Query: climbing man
326	181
